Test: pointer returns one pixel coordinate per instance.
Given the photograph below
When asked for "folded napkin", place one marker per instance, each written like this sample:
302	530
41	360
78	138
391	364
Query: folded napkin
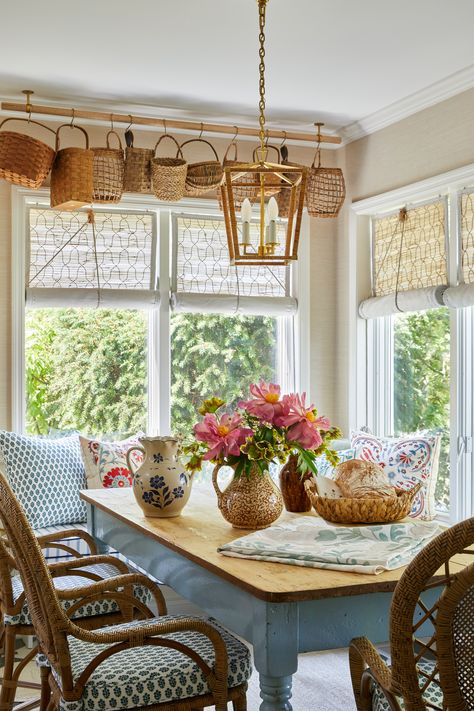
314	544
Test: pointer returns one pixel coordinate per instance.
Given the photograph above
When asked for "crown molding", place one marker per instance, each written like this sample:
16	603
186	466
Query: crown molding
423	99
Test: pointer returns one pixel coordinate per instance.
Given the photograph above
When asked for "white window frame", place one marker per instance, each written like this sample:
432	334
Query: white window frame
375	337
292	334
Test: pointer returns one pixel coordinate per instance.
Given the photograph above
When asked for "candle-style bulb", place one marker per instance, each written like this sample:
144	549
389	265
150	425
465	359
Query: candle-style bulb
246	210
272	209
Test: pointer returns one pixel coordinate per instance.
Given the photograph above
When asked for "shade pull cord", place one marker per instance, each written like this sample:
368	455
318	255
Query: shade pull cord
56	254
91	221
402	218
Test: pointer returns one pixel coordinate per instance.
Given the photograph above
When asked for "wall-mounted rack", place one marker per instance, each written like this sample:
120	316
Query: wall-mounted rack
227	129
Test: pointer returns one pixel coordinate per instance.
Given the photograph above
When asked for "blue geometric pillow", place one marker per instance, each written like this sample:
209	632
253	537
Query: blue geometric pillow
46	476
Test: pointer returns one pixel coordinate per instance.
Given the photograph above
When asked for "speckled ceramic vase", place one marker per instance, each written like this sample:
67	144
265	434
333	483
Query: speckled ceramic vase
249	502
160	484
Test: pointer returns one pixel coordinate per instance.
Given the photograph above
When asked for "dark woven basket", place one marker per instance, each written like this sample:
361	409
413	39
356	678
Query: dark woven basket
72	176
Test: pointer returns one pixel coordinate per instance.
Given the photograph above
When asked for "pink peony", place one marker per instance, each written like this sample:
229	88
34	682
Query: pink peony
266	404
303	426
224	437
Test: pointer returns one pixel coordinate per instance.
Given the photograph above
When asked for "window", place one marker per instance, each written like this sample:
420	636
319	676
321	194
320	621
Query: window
133	316
419	327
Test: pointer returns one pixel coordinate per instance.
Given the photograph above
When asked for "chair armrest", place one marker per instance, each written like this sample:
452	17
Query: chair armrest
366	664
51	538
64	566
112	584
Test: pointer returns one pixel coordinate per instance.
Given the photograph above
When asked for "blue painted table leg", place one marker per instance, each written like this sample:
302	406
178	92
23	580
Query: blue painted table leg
275	644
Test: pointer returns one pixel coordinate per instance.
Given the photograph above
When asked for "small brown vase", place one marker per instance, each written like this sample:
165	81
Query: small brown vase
292	488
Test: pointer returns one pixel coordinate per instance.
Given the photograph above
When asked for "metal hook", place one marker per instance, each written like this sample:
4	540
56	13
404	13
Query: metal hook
236	133
284	140
111	122
164	125
130	124
202	129
318	124
28	105
73	111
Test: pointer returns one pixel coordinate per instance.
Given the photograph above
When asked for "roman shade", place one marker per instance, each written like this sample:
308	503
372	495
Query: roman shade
458	297
409	262
204	281
91	258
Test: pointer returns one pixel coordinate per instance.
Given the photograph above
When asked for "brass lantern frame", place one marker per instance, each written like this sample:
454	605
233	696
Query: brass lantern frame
293	178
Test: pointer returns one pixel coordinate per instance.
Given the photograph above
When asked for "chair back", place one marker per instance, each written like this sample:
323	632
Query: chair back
49	620
7	566
440	631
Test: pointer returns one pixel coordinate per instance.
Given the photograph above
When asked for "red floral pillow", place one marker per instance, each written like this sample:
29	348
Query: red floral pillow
105	462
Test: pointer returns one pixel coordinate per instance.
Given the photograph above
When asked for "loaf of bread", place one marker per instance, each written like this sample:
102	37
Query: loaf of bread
359	479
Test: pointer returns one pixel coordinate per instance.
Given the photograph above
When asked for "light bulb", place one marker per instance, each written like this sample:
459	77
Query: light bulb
272	209
246	211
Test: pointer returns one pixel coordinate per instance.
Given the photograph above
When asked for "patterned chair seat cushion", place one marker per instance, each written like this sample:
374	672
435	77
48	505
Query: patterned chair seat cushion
69	582
432	694
143	676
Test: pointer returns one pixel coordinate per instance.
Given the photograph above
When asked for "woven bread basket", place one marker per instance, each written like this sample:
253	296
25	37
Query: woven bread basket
137	176
168	175
204	176
362	510
248	186
325	190
72	176
24	160
109	166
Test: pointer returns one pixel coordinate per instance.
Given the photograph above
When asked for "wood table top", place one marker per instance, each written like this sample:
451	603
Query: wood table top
200	529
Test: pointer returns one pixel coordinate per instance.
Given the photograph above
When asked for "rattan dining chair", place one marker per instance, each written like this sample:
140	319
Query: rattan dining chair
170	663
434	668
76	571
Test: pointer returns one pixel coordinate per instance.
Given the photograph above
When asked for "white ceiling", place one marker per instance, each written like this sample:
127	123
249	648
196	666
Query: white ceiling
339	61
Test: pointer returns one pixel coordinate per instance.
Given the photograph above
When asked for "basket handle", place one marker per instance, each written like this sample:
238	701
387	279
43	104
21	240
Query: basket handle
68	125
318	156
201	140
167	135
12	118
113	133
275	148
233	145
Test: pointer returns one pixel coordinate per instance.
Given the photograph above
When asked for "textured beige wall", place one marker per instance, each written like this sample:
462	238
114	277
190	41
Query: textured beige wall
322	264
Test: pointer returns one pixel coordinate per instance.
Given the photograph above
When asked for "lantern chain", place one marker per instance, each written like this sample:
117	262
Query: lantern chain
261	15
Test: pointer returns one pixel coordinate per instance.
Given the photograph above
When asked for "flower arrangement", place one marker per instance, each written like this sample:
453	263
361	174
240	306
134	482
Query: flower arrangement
266	428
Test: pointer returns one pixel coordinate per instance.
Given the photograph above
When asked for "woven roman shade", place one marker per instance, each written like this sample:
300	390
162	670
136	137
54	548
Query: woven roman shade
89	259
409	263
204	281
458	297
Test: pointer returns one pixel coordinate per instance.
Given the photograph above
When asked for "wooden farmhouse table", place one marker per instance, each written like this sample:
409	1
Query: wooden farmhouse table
280	609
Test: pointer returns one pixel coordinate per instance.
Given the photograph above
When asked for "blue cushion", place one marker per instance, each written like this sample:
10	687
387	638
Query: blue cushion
46	476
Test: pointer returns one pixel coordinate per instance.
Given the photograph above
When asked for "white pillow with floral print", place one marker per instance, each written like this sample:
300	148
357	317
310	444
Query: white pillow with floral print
113	458
407	460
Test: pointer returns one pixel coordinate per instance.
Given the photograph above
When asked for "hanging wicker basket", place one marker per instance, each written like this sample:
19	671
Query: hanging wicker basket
284	196
109	167
247	188
24	160
137	177
72	183
325	190
204	176
168	175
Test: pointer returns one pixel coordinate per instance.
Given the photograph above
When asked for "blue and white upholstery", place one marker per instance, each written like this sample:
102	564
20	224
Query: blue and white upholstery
69	582
143	676
432	695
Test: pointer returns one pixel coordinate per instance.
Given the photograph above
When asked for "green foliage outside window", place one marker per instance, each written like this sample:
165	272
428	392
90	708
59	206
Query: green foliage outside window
421	381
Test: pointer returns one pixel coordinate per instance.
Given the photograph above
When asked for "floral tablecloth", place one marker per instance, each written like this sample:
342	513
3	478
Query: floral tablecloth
316	544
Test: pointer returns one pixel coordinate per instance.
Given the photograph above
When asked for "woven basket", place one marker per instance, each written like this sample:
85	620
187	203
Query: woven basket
109	166
72	181
137	178
363	510
204	176
325	190
283	197
24	160
168	175
239	192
